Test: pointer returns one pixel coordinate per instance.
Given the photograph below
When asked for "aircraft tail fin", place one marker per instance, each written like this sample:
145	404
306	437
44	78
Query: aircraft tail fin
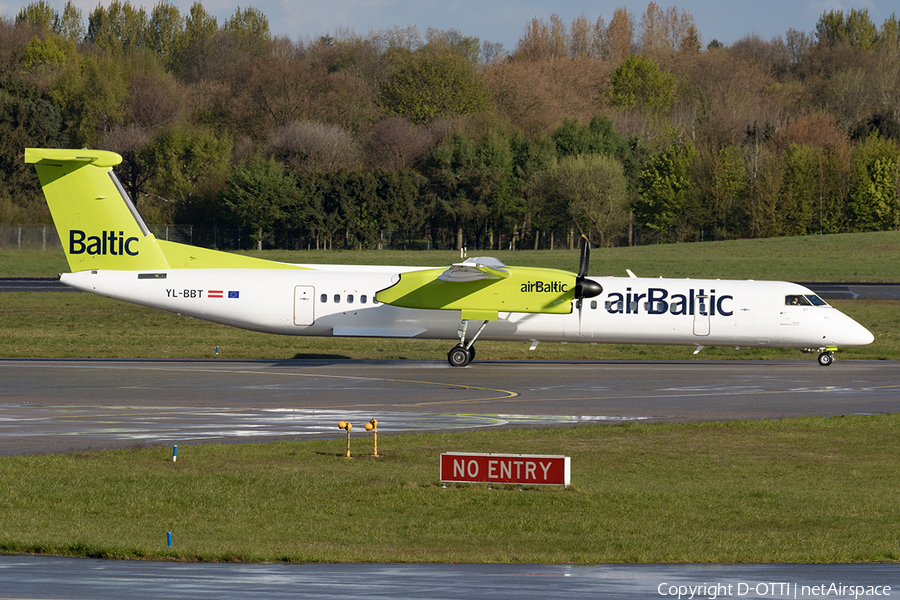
97	222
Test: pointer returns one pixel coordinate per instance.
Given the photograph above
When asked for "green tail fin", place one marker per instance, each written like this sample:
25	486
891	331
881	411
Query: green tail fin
98	225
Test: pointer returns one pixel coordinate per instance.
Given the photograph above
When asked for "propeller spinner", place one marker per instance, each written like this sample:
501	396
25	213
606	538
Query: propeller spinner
584	287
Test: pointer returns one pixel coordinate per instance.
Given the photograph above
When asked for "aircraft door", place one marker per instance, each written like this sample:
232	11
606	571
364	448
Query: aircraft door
304	305
701	316
580	322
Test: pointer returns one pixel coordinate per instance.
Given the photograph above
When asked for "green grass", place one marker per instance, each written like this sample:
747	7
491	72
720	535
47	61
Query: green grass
65	324
799	490
32	263
858	257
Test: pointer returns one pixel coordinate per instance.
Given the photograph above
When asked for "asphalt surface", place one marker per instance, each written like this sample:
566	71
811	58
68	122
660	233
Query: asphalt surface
33	284
34	577
57	405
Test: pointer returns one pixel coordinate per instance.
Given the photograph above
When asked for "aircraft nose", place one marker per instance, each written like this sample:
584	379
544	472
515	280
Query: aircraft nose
863	336
850	333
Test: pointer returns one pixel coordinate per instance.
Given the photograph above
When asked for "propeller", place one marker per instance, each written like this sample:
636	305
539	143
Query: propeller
584	287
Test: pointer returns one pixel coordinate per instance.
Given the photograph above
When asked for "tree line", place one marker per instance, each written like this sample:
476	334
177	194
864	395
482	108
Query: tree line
631	131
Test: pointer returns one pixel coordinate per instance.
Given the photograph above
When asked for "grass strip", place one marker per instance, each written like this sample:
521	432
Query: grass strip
794	490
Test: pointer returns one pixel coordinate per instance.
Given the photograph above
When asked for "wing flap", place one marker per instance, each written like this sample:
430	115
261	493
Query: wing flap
474	271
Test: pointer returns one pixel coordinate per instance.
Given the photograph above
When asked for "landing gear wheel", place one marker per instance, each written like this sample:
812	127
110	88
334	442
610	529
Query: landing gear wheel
459	356
826	358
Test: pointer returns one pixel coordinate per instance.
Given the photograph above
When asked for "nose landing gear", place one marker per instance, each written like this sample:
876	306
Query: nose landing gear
826	358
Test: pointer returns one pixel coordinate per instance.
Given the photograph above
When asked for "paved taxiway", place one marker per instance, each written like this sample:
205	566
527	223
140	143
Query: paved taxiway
51	405
48	405
27	577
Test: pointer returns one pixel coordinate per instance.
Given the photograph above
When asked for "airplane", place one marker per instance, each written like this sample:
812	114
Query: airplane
111	252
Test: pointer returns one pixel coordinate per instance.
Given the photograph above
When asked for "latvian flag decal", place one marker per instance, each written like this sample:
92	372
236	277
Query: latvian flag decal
221	294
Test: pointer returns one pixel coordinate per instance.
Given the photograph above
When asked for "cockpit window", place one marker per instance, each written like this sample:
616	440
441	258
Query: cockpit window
801	300
796	300
815	300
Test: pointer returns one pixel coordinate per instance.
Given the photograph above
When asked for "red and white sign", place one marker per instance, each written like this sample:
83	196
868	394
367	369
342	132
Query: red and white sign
531	469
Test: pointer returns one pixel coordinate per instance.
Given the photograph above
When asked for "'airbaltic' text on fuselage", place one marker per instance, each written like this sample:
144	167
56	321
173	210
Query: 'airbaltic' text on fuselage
541	287
108	242
657	301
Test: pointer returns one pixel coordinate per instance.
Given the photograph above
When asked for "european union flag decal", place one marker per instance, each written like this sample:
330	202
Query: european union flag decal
234	294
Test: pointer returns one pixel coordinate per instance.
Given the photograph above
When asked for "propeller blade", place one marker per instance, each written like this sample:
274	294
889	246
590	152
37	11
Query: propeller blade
585	257
585	288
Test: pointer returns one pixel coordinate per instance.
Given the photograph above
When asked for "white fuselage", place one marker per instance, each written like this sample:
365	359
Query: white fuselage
328	300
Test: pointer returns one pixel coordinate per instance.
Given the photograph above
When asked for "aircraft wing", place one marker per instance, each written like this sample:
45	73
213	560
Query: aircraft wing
481	288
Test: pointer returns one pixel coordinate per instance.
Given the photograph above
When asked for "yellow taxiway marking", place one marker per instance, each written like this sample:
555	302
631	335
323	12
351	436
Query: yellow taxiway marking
507	394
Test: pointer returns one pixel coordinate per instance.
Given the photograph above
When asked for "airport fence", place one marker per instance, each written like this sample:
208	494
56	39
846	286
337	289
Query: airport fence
45	237
28	237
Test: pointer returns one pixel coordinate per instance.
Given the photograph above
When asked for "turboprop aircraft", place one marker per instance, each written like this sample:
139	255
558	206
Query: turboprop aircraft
111	252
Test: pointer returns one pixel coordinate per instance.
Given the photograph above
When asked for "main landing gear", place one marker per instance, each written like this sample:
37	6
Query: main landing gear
460	356
463	353
826	358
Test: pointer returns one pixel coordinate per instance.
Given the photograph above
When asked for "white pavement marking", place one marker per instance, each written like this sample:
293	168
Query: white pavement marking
162	424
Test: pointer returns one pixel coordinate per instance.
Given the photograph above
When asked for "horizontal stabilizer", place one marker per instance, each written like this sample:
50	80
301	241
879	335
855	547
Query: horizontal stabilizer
98	158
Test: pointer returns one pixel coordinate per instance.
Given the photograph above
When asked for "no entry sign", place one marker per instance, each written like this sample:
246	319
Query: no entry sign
532	469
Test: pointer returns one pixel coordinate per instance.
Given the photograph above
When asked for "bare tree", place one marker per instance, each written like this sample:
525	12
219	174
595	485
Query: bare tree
559	38
396	144
128	141
492	52
819	131
655	31
772	56
798	44
13	40
315	146
543	40
534	43
580	40
620	36
154	99
538	95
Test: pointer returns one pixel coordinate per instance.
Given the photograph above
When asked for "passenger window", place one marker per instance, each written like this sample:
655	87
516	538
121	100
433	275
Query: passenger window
337	298
593	305
324	298
362	299
349	298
